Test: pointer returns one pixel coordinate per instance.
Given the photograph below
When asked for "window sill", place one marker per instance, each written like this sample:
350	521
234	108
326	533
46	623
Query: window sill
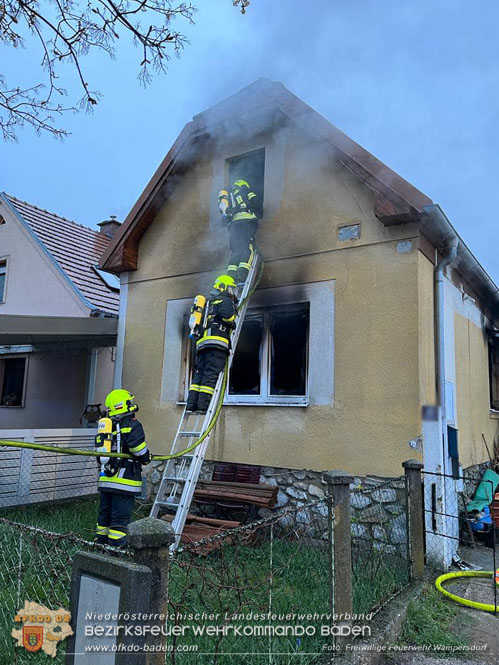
300	404
494	414
17	406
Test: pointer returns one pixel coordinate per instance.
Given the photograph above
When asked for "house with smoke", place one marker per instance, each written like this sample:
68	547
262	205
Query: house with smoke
371	337
58	318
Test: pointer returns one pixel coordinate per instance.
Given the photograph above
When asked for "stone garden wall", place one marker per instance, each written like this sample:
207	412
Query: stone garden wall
378	504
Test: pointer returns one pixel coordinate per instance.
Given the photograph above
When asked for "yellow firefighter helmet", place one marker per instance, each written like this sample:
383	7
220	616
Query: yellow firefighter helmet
119	402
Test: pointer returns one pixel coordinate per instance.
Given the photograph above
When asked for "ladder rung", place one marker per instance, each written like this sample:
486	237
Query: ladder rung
179	490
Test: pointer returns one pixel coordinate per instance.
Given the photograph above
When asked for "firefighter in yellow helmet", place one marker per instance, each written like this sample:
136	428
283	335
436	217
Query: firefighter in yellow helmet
241	208
213	345
120	480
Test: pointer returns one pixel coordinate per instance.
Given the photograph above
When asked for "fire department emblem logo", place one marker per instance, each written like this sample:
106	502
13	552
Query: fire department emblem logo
32	638
42	629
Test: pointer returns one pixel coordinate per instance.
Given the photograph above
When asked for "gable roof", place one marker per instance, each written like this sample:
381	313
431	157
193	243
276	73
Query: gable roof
396	200
75	248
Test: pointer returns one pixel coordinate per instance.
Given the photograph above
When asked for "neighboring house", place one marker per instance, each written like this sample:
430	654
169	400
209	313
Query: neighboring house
338	355
58	318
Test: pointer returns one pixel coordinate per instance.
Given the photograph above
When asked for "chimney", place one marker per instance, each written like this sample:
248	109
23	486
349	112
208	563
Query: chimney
109	226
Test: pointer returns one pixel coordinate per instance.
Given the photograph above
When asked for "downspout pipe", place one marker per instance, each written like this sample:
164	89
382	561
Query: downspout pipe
451	245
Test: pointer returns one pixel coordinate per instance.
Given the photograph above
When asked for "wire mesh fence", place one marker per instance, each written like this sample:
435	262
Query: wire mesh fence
261	585
35	568
380	558
259	593
461	530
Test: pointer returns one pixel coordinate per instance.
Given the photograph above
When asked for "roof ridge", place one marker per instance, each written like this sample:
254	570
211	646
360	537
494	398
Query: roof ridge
54	214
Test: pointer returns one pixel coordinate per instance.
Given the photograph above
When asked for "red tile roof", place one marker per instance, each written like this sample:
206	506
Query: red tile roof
76	248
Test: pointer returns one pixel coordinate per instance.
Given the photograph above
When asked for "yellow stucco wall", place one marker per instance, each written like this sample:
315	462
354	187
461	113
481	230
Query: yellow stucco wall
472	392
375	410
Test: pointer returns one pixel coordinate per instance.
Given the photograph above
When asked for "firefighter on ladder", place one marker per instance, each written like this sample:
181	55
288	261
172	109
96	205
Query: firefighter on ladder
120	479
213	345
241	209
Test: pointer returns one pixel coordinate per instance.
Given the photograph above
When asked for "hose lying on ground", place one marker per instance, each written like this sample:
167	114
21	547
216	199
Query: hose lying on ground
485	607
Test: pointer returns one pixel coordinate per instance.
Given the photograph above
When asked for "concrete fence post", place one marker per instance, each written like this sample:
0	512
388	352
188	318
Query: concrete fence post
415	522
150	538
339	488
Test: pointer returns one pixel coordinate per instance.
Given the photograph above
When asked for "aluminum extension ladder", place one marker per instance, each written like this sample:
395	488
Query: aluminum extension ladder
181	474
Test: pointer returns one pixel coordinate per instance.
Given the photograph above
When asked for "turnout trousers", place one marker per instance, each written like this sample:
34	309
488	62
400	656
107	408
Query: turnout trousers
115	510
210	361
241	242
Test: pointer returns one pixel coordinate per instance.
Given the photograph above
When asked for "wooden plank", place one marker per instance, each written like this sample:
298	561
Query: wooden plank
241	498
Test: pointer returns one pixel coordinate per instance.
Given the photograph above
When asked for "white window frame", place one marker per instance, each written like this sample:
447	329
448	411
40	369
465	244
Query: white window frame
265	397
321	341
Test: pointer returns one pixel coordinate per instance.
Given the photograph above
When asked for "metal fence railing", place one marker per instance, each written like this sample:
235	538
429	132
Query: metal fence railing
462	531
381	566
33	476
268	587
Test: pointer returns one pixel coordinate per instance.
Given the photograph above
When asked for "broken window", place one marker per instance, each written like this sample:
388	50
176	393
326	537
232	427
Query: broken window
245	374
250	167
271	360
12	375
288	351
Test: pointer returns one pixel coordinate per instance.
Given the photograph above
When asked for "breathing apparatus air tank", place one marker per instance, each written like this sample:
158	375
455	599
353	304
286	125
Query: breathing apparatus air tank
197	315
105	429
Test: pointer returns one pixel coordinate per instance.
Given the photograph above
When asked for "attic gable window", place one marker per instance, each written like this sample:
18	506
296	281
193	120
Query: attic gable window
249	166
270	365
3	277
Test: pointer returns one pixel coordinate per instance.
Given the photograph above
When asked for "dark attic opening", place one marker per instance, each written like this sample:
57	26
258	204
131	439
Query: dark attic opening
249	166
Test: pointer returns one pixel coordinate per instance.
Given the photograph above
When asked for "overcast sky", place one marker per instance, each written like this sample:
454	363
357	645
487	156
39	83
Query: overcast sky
414	82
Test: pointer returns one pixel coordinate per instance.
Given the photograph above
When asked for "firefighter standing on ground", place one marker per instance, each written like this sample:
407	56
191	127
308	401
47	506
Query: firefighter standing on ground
120	480
213	346
241	209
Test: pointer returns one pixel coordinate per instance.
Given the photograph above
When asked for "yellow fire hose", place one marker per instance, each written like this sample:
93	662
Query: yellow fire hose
485	607
93	453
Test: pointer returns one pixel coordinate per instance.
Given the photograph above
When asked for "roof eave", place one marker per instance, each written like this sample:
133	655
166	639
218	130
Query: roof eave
439	230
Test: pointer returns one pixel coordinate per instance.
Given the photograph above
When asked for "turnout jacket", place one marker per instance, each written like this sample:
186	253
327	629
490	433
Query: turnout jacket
245	204
222	311
124	476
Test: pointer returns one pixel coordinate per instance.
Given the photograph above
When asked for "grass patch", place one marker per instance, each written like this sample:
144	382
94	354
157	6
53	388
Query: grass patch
376	577
78	516
433	620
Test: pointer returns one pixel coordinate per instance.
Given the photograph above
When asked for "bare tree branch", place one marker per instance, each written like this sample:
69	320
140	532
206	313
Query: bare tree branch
68	30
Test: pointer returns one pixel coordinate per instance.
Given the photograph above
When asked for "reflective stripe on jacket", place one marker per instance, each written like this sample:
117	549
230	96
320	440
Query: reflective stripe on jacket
129	434
244	202
220	321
